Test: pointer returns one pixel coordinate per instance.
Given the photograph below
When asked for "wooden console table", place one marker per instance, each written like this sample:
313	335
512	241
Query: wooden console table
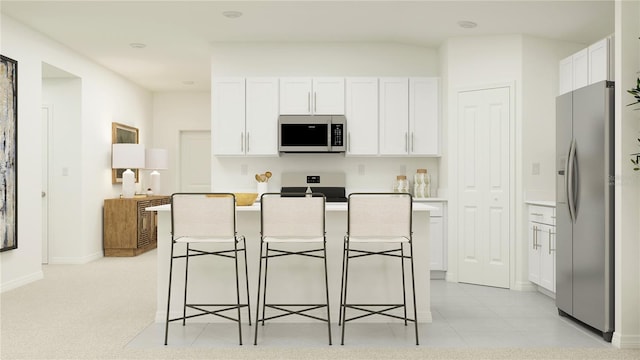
129	229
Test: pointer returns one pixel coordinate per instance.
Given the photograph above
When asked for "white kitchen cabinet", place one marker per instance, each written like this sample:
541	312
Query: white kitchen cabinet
228	116
306	96
361	109
409	116
438	237
541	245
394	116
587	66
424	116
244	116
261	123
599	61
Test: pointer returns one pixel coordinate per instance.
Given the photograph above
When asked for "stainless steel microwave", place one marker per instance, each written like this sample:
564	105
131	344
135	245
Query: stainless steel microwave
312	133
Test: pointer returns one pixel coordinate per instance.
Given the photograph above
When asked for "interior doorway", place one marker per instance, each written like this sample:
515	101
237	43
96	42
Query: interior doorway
195	161
484	185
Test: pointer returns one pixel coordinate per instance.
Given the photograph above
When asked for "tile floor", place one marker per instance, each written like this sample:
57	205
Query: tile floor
463	316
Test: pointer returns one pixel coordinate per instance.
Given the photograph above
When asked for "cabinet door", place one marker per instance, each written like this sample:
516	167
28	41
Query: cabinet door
436	236
424	117
362	116
328	96
580	66
394	116
547	258
534	252
295	96
228	116
566	76
261	133
599	61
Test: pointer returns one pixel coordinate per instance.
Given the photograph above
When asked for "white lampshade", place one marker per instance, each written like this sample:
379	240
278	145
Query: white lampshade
127	156
156	159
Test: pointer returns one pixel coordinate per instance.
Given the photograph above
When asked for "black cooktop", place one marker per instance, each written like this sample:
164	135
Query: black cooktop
332	194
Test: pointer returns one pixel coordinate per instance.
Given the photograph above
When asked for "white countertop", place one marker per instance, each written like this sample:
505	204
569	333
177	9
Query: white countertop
541	203
417	206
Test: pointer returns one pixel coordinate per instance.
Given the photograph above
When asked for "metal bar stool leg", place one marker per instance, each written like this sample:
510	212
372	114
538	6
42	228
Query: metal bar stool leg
404	289
264	291
246	277
413	284
326	283
344	253
235	258
186	277
166	326
346	283
255	337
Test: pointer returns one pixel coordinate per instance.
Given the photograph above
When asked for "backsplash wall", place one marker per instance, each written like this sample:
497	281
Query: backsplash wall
362	173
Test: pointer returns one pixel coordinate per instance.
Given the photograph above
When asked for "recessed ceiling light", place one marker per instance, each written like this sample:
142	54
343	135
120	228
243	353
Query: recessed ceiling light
232	14
138	45
467	24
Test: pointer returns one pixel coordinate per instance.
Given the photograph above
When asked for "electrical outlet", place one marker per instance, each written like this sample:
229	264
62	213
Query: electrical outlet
403	170
360	169
244	169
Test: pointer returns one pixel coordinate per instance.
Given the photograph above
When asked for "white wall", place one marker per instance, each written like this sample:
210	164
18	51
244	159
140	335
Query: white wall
105	98
627	191
174	112
321	59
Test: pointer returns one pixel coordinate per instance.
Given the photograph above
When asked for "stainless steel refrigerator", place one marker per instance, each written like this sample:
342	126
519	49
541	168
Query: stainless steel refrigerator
584	206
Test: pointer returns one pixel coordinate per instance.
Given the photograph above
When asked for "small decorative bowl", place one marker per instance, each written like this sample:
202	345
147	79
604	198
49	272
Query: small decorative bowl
245	199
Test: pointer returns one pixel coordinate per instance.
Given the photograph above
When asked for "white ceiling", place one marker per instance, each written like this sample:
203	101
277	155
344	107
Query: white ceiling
179	34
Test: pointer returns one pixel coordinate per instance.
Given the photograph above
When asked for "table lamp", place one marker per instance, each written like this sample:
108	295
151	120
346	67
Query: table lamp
127	156
156	159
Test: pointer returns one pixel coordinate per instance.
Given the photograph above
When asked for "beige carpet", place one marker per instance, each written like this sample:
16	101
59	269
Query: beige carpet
92	311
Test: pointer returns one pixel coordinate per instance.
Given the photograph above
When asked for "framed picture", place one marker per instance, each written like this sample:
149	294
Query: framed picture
8	153
122	134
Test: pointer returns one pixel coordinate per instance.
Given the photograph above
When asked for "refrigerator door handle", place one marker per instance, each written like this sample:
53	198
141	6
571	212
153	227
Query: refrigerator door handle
569	180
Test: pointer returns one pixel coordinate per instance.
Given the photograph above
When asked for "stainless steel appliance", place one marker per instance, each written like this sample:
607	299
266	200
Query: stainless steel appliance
584	215
332	185
312	133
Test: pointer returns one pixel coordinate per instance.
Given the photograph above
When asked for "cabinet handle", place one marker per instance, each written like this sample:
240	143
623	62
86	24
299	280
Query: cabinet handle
406	141
413	142
309	101
241	141
550	249
315	102
535	236
247	141
537	214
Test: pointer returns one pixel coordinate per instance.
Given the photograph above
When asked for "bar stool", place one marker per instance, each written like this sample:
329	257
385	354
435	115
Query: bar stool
287	220
378	218
206	218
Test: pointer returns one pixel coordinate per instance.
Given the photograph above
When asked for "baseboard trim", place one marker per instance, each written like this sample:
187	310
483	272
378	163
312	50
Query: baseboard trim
75	260
21	281
625	341
524	286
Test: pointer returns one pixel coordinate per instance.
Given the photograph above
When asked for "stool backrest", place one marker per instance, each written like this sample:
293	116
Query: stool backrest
292	216
379	215
203	215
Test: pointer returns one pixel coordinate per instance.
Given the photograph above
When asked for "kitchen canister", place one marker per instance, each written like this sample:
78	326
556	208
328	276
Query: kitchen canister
401	185
421	184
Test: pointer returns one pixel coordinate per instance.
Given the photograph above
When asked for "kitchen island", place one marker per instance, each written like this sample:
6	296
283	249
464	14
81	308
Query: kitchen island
294	279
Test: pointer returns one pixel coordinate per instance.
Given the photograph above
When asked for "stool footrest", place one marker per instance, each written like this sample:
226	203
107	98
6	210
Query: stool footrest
288	312
370	312
203	312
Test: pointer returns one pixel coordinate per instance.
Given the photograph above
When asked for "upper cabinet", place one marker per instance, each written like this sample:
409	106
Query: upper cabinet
306	96
587	66
362	116
409	116
424	116
244	116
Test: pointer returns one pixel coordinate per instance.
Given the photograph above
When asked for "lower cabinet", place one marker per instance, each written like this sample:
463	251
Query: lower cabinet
438	238
541	244
129	229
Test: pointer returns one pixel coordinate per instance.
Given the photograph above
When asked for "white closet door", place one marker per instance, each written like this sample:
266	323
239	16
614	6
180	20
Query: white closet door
484	186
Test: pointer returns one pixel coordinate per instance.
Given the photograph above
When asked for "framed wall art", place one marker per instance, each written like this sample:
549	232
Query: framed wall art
8	153
122	134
